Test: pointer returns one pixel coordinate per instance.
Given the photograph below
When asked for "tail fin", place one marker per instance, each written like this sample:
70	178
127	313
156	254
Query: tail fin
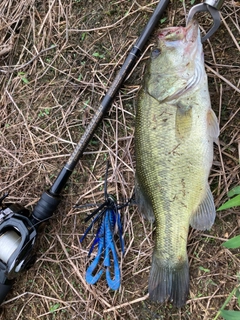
168	282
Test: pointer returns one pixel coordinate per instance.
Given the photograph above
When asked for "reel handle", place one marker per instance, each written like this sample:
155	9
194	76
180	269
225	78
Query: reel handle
4	289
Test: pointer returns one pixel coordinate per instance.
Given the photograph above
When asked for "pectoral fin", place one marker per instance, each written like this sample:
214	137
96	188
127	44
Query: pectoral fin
213	126
143	204
183	123
203	218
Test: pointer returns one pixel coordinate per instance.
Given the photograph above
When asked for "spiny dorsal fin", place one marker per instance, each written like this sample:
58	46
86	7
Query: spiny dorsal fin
203	218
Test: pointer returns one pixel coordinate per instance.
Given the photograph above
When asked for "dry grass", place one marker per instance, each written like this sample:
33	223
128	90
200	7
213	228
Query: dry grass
57	59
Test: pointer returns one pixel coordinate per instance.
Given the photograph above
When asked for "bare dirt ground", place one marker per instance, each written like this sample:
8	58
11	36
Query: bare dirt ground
57	59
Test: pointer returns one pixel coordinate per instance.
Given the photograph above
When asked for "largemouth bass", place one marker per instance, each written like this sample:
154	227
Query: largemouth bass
174	135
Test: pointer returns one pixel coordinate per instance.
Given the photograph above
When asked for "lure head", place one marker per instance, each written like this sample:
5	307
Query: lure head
111	200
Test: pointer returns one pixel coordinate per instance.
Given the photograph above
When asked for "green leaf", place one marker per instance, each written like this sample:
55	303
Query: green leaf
98	55
234	202
47	111
204	269
83	36
230	314
23	78
86	103
234	191
54	307
163	20
232	243
238	295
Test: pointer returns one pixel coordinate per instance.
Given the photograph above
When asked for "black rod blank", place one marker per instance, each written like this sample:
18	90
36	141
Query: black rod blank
50	199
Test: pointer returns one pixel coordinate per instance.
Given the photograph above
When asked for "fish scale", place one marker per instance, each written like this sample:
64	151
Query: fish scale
174	133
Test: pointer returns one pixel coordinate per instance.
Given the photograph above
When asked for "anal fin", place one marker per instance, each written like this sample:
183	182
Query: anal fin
203	218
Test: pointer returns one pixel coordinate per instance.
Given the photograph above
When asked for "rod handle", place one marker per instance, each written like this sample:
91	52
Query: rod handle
45	207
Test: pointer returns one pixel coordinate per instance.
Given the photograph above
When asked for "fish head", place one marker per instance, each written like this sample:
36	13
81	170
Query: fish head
174	63
180	45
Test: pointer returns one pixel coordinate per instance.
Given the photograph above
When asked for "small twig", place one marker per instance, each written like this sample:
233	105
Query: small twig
230	32
24	119
224	79
229	120
212	237
16	181
222	164
39	296
207	297
5	49
17	68
127	303
116	23
11	155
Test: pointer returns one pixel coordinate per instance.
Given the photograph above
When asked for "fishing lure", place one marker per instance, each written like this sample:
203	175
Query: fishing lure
108	218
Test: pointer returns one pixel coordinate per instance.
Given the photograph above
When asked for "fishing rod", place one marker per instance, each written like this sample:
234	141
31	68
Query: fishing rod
18	226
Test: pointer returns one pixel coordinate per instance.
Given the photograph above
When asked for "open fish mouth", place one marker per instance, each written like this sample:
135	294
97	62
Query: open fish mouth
188	33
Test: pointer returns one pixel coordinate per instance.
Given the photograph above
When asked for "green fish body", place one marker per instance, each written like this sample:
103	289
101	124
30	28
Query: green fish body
174	134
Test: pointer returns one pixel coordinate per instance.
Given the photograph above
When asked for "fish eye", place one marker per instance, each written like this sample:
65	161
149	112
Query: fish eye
155	53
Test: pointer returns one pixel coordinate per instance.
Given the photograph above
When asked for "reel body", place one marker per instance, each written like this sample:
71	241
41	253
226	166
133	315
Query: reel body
17	239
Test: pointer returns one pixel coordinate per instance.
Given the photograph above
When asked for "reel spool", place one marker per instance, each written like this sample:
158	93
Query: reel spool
9	242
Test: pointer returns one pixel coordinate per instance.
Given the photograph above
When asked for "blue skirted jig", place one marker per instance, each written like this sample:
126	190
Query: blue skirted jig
108	218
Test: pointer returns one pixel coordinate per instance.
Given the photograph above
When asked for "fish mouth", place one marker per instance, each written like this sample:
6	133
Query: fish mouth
188	33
